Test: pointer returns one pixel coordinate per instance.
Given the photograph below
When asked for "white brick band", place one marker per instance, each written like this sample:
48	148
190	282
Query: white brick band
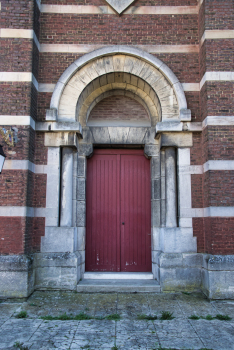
218	120
216	76
17	120
217	34
185	213
18	77
140	10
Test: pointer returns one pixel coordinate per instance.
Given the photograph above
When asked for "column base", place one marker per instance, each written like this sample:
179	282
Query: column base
16	276
58	271
218	276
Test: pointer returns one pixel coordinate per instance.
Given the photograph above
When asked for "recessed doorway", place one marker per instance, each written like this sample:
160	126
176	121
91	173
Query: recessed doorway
118	217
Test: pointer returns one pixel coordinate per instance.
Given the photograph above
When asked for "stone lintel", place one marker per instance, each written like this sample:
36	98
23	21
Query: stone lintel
61	139
177	139
49	126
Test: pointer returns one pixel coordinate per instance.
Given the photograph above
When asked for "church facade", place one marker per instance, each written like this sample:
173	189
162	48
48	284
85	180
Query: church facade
117	122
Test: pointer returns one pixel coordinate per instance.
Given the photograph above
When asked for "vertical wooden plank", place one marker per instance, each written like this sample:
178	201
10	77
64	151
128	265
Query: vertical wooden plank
135	212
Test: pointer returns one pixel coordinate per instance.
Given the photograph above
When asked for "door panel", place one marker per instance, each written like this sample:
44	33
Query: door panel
135	214
118	212
102	218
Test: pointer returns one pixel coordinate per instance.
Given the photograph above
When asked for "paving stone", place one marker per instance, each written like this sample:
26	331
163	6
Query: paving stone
128	333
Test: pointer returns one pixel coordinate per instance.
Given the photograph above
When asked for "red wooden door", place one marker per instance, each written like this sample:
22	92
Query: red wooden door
118	224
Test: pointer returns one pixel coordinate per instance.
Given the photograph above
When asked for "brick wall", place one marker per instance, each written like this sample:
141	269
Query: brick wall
119	108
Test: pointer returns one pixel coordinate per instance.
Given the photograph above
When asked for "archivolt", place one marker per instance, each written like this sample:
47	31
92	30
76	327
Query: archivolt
135	62
121	84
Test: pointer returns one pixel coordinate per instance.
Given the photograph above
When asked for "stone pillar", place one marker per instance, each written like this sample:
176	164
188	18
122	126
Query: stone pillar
163	190
66	187
171	191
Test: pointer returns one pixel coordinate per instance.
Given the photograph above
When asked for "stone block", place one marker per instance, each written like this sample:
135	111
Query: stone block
192	260
155	213
185	114
152	150
156	189
150	136
81	189
136	135
51	115
81	214
59	239
85	149
221	263
81	238
81	171
155	167
118	135
16	276
177	240
218	284
57	259
155	239
177	139
170	260
101	135
57	271
179	278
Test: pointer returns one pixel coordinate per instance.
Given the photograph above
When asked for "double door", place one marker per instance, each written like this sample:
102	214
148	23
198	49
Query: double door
118	212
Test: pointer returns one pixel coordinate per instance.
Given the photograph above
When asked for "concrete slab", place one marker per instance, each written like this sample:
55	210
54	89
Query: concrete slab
118	285
118	276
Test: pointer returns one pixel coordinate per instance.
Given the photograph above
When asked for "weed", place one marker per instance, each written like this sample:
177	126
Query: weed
20	346
147	317
82	316
22	314
166	315
186	293
100	318
113	317
194	317
223	317
48	318
114	347
32	304
209	318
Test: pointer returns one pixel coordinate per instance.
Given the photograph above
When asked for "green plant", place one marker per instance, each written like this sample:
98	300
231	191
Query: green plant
223	317
22	314
186	293
194	317
82	316
113	317
209	318
166	315
114	347
147	317
20	346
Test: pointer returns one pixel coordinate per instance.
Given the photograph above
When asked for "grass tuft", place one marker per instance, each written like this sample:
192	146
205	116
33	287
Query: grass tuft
223	317
82	316
20	346
22	314
113	317
147	317
194	317
166	315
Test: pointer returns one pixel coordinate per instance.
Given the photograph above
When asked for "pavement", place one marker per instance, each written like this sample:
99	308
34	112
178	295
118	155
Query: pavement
115	321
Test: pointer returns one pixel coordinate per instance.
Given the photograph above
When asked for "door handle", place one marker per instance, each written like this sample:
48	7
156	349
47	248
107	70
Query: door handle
123	223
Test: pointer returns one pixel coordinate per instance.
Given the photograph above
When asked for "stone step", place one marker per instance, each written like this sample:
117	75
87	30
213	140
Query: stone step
118	285
118	276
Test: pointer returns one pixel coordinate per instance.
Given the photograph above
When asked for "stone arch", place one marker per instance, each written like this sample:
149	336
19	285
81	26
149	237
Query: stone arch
116	59
121	83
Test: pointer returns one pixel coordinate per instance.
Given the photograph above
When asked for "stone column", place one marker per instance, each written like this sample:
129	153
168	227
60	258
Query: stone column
66	187
171	191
